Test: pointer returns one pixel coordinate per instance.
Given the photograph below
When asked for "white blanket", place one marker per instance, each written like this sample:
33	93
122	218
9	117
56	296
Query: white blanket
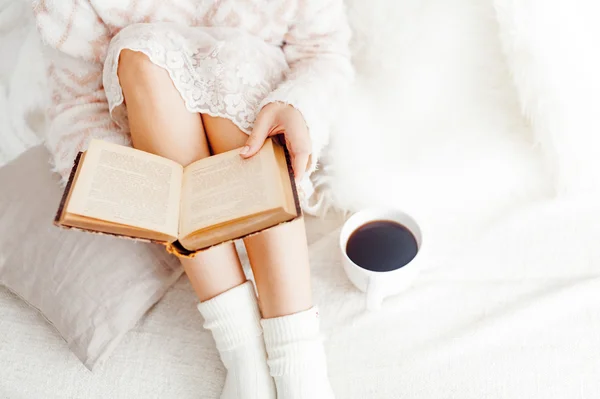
452	97
467	330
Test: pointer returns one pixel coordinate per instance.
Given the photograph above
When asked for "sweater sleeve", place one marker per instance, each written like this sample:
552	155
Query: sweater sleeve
76	41
317	51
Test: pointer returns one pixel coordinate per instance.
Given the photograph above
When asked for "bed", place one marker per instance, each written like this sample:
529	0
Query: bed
509	307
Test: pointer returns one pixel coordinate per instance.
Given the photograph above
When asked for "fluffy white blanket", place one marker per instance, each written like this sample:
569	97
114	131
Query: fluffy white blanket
480	117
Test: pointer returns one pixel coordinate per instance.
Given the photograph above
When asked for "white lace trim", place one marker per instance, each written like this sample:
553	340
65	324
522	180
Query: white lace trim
206	70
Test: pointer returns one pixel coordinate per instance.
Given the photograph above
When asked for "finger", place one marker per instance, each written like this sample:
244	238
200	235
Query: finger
259	134
299	163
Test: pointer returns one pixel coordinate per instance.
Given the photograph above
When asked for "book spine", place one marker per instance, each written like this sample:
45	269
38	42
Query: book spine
288	161
67	188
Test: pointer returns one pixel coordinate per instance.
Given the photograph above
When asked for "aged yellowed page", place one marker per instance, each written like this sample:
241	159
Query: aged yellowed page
123	185
225	187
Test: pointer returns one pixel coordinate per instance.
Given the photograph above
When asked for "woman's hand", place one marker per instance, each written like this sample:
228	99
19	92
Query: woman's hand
280	118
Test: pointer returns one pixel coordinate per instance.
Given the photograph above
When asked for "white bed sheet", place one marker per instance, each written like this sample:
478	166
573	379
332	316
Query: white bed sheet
495	334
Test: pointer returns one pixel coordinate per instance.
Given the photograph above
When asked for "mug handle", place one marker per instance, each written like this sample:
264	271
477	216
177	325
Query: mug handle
375	295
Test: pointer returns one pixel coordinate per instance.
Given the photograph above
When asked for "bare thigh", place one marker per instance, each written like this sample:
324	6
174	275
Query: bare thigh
158	119
223	135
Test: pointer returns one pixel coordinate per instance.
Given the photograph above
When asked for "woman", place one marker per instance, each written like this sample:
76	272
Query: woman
185	79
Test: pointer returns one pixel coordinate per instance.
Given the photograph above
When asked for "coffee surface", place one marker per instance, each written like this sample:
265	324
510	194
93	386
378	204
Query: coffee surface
382	246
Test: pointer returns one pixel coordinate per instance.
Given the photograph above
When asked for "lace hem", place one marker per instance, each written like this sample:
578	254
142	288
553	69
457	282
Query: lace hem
205	68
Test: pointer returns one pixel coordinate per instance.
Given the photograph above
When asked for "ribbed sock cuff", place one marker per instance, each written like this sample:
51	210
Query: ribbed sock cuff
233	317
292	328
294	342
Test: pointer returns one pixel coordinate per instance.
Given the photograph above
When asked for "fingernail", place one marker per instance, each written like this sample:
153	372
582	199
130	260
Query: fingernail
244	150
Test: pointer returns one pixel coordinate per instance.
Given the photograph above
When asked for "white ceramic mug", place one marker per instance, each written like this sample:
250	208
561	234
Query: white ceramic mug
379	285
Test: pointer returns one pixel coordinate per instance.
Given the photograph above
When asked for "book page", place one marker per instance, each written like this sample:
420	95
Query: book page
225	187
123	185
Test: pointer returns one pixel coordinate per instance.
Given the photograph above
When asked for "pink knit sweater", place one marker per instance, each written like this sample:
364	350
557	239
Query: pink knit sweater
312	34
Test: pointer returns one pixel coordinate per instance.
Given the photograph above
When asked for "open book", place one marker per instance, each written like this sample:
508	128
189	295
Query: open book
127	192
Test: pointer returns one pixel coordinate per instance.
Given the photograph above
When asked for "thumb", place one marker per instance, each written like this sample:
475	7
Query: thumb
299	164
259	134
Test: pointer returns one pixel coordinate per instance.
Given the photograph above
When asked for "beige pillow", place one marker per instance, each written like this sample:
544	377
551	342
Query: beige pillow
91	288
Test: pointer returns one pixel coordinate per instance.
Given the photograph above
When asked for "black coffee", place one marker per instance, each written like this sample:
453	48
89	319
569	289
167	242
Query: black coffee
382	246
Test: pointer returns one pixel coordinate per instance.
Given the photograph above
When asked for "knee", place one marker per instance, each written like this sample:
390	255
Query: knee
135	65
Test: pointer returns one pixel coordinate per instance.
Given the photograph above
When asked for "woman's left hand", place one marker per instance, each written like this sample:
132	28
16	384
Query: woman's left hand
280	118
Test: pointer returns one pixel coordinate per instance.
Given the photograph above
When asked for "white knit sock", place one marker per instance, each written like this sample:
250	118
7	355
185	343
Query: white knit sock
234	320
297	357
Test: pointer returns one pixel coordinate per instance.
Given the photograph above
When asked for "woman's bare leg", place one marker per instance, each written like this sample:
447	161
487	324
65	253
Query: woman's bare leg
279	256
161	124
281	269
